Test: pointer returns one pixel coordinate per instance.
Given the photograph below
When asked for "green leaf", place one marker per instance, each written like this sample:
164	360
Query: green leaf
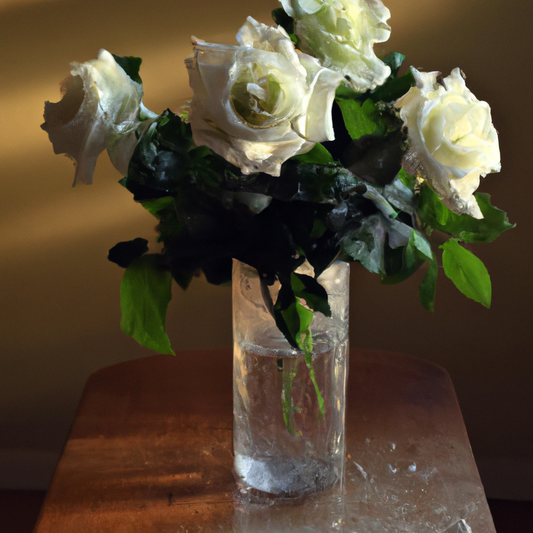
144	296
169	226
155	207
131	66
467	272
286	315
436	215
164	209
297	319
318	155
160	162
319	228
400	196
493	223
394	60
393	88
328	183
422	247
312	292
408	180
361	119
291	317
345	91
306	317
366	243
413	255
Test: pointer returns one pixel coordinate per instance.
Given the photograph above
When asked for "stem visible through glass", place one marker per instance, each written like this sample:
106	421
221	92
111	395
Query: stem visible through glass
289	367
306	345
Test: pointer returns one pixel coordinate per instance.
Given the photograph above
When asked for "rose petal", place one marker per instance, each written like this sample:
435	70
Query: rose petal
260	103
101	109
341	34
452	140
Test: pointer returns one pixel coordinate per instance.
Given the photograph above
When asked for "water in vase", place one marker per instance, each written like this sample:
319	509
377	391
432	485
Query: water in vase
284	443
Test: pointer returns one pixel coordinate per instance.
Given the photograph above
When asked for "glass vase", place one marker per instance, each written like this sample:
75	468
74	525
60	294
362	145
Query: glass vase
284	443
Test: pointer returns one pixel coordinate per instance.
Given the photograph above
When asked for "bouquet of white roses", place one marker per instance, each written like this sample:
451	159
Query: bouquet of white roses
299	144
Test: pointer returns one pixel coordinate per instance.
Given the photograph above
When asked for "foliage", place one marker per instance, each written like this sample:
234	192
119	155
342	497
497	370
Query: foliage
348	199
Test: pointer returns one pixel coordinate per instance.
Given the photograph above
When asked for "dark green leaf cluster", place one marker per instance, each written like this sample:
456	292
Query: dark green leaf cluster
166	162
377	142
347	199
205	218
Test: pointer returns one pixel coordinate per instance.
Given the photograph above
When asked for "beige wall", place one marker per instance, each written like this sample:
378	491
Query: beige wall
59	296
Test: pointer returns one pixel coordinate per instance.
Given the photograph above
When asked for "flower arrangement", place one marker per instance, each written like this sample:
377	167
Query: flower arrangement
299	144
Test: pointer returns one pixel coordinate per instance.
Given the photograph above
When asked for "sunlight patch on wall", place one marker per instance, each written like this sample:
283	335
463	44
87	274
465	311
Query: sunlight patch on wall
6	4
62	221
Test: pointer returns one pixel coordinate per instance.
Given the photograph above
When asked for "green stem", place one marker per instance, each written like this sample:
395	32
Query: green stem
286	394
307	347
288	377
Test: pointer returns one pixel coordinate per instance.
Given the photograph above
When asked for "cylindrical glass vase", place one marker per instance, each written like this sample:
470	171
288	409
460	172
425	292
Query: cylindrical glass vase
284	443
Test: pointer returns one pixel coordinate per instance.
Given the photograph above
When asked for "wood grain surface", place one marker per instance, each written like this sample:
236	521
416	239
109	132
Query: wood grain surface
150	449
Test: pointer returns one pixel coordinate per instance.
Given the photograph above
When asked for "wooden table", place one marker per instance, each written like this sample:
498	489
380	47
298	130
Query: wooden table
150	451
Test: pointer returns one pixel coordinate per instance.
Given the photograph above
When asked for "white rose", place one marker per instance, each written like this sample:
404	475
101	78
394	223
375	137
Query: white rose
101	108
341	34
260	103
452	139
